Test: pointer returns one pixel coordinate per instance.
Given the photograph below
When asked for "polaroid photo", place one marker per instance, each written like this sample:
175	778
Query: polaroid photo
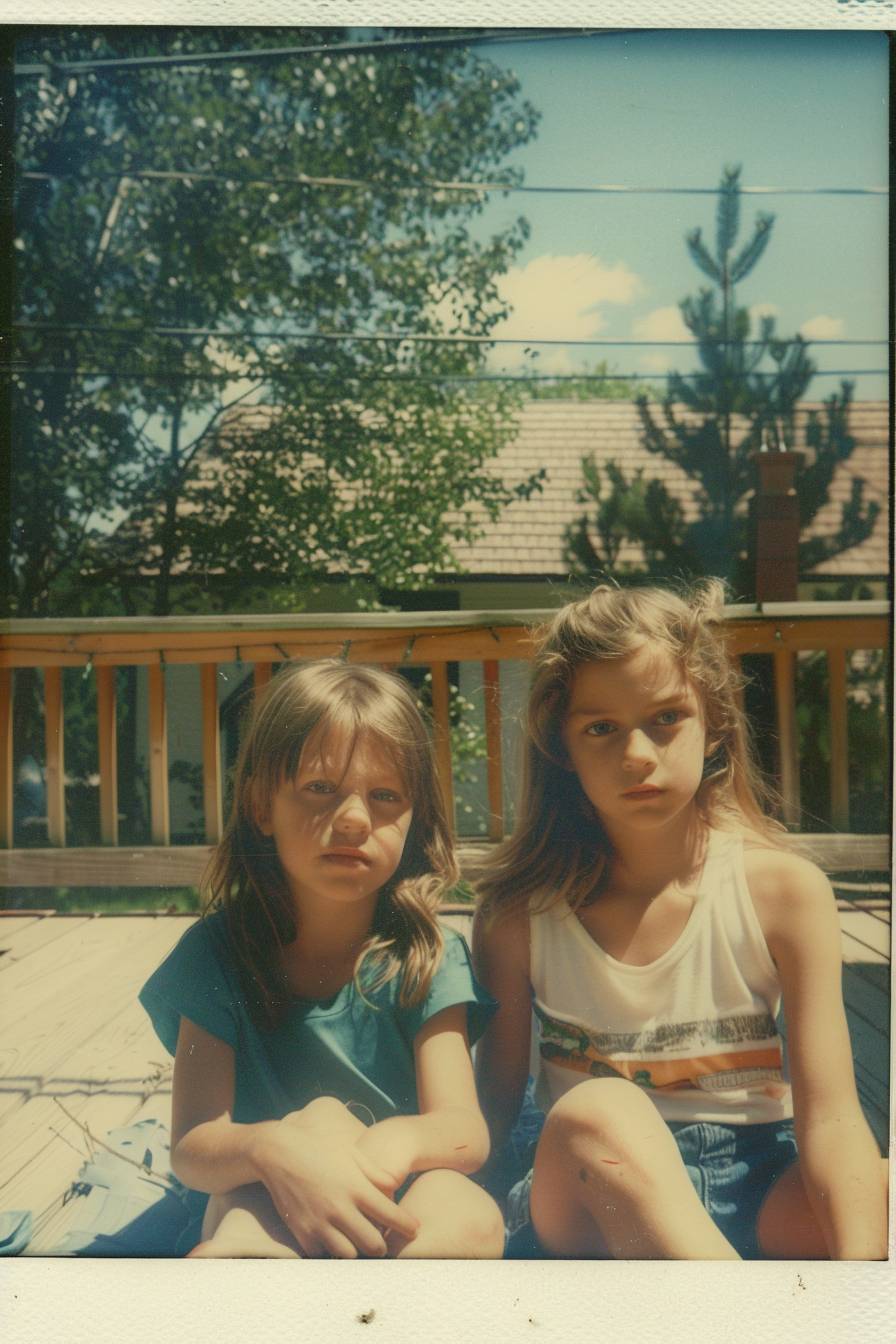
632	164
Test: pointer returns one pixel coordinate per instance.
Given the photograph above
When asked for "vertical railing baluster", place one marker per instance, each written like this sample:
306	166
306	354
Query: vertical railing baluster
7	786
211	752
785	702
54	728
837	709
107	746
160	824
492	691
440	714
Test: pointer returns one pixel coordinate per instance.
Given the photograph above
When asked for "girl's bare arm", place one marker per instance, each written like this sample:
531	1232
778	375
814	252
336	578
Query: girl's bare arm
449	1131
839	1161
332	1197
208	1151
501	963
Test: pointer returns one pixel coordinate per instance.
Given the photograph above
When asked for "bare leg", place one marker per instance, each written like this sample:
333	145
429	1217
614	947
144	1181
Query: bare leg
609	1180
243	1224
458	1220
787	1228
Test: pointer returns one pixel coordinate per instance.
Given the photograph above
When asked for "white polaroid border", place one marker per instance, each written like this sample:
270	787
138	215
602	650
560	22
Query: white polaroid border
821	14
447	1302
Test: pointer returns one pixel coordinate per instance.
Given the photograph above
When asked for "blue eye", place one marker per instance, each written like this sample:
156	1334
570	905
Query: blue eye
669	717
321	786
386	796
600	729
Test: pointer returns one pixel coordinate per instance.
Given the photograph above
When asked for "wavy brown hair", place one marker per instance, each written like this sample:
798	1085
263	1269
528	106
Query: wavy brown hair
245	878
559	850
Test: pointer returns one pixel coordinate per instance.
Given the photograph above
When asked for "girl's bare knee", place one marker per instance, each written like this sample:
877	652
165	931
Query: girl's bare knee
243	1223
480	1223
604	1107
607	1131
457	1218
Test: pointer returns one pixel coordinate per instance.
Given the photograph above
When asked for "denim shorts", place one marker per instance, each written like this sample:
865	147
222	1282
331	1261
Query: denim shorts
732	1169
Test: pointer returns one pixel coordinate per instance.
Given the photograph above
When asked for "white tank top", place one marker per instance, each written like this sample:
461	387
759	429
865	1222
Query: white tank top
695	1028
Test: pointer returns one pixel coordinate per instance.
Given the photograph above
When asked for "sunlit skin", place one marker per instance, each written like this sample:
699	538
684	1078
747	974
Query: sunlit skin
319	1180
635	736
340	828
607	1175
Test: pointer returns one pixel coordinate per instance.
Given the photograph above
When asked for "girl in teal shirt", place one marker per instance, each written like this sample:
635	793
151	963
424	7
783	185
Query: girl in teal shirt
319	1016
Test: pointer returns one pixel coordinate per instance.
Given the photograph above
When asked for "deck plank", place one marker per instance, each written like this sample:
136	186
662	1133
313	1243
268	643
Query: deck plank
55	1217
103	1084
39	935
12	925
70	1029
78	970
43	1182
73	1030
67	959
865	935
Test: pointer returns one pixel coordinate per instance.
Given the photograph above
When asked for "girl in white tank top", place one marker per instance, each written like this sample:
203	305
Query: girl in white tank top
652	917
696	1027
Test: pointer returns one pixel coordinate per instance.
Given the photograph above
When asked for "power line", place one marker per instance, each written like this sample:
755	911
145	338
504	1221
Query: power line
217	333
322	49
232	376
434	185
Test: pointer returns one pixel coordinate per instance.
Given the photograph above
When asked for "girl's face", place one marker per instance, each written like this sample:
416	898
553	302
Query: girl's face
635	736
340	825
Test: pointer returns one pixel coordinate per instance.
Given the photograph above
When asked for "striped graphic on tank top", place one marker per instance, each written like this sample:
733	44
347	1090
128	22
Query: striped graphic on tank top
709	1054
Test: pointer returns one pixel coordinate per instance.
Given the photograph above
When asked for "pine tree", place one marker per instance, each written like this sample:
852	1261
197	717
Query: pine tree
745	393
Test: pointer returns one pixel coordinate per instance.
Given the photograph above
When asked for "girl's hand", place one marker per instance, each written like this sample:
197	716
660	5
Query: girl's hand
389	1145
332	1196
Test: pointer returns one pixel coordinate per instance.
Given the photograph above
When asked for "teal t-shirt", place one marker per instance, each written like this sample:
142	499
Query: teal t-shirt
340	1047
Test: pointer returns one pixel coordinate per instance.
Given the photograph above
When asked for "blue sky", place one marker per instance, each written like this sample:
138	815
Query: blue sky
797	109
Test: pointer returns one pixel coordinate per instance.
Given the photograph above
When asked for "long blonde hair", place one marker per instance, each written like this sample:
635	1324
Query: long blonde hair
245	878
559	850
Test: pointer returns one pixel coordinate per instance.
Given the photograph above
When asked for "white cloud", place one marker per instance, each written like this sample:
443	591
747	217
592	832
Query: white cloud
663	324
559	298
822	328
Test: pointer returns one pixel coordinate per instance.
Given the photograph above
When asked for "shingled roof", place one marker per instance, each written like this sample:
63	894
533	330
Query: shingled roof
528	538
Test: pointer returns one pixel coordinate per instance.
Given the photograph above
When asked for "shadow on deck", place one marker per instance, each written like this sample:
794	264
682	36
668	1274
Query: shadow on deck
78	1057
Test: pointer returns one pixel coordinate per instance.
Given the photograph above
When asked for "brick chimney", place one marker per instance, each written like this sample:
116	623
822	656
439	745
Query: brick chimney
775	526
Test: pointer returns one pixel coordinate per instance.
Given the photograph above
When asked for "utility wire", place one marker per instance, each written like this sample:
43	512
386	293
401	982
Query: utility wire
234	375
435	185
217	333
321	49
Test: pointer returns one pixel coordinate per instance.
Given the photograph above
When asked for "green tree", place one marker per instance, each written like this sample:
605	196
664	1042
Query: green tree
311	206
711	421
601	383
127	495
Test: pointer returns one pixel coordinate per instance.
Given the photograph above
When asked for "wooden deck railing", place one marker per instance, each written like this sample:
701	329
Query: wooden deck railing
430	639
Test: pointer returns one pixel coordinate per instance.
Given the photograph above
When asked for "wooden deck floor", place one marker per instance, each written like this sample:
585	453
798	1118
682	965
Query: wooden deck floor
77	1050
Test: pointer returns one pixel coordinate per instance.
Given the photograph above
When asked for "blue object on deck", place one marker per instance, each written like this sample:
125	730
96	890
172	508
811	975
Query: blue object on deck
129	1210
15	1231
